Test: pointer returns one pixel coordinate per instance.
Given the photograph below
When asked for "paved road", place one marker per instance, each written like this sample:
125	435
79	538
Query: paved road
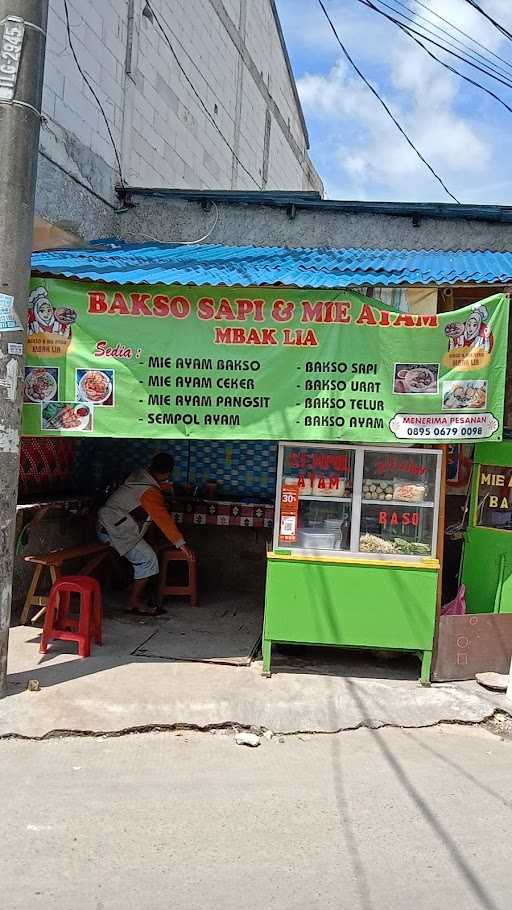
367	820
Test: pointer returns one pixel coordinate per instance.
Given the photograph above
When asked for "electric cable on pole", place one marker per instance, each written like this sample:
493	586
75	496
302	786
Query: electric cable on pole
22	53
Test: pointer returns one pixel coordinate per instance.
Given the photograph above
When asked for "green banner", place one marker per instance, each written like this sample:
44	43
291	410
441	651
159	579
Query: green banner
259	363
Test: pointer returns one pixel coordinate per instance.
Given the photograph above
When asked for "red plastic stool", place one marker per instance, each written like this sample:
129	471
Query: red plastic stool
60	624
167	556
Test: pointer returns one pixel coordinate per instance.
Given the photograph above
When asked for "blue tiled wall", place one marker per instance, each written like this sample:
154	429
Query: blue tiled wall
240	468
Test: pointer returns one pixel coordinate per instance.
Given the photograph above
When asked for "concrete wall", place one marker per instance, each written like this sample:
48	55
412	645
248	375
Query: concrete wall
260	225
232	52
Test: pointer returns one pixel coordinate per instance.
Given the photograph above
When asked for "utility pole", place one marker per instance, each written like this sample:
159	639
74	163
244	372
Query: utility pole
22	51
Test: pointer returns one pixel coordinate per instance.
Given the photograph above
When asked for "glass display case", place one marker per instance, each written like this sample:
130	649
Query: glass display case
357	500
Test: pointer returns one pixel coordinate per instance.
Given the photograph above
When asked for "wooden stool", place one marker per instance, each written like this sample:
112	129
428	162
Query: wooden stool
168	556
94	554
60	625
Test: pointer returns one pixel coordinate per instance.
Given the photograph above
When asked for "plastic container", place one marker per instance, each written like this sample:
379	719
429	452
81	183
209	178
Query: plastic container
317	539
405	491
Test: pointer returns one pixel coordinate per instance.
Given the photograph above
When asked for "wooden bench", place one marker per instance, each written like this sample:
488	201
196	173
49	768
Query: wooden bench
93	553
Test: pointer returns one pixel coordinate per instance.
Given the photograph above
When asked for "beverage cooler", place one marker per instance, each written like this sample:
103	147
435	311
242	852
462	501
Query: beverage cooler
354	558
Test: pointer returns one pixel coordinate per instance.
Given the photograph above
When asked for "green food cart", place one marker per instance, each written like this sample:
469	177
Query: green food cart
354	559
487	560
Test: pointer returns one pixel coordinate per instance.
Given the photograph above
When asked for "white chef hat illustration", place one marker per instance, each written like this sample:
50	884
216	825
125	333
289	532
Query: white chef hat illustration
480	310
36	295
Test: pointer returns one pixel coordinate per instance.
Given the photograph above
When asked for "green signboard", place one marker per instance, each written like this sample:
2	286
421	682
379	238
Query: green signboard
259	363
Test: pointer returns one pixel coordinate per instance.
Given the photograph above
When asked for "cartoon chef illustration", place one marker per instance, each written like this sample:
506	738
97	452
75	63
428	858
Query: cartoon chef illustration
44	318
473	333
477	332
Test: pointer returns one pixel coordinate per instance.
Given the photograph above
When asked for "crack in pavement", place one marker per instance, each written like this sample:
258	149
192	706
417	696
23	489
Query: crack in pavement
498	722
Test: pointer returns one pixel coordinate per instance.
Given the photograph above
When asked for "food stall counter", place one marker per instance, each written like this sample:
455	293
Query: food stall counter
354	560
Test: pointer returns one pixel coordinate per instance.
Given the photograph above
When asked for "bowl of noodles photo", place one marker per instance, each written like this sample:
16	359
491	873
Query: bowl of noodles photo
416	378
40	385
95	387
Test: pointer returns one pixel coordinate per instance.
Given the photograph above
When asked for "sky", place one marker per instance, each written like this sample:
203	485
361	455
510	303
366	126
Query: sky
354	145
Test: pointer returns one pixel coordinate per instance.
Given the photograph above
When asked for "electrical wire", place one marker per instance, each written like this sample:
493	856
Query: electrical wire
461	32
501	28
93	92
417	19
181	242
196	93
383	104
208	234
443	63
413	31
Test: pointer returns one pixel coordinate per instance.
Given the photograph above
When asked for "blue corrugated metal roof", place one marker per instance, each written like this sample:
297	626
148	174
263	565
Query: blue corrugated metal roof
248	266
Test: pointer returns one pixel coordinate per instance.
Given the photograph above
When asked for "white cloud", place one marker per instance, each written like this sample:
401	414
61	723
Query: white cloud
367	146
357	148
468	19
